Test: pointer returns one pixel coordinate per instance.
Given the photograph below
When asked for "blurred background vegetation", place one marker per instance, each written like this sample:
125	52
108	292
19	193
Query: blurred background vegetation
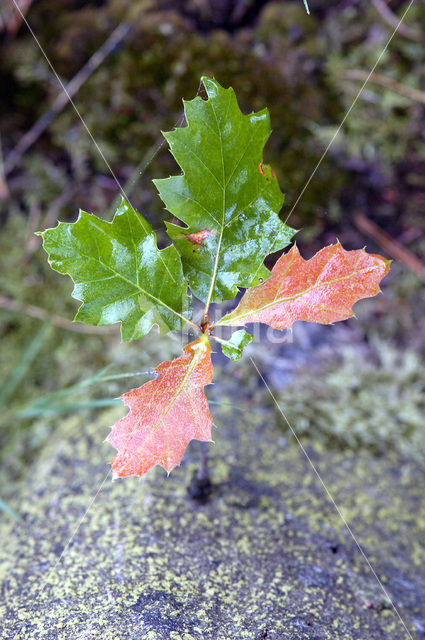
369	188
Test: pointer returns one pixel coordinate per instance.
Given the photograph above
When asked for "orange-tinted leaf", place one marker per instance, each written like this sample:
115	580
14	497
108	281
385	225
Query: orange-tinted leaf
322	289
165	414
199	236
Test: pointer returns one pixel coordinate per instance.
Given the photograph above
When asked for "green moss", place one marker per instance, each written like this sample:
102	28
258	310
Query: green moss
378	405
291	62
137	91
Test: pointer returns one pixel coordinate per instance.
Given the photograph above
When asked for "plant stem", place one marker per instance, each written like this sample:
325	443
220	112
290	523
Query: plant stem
222	341
203	471
193	324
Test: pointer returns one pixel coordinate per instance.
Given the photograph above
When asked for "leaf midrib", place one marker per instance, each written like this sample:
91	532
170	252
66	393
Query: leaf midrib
133	284
217	257
196	358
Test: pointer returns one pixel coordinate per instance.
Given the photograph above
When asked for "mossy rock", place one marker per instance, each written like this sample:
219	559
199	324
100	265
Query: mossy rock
266	557
360	403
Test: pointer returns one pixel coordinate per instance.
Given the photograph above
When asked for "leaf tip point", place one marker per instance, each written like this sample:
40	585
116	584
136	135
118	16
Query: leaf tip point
115	474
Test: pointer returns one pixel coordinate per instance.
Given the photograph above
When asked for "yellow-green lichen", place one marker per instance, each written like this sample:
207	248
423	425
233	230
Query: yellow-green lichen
268	553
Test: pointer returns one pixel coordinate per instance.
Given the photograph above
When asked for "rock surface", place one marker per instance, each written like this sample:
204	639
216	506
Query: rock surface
267	557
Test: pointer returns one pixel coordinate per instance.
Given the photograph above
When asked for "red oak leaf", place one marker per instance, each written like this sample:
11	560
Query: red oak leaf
322	289
165	414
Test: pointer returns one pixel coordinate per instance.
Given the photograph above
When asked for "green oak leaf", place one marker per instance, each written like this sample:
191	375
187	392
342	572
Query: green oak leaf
239	340
228	200
120	275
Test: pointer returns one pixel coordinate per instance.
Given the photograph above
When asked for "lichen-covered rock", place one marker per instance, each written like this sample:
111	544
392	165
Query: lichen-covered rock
266	557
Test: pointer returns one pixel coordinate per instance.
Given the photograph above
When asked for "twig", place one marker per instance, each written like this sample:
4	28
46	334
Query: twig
4	189
63	98
134	177
394	248
200	487
203	471
41	314
141	167
391	19
384	81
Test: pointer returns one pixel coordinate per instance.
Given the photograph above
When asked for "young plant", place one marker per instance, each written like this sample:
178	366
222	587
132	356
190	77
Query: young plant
228	202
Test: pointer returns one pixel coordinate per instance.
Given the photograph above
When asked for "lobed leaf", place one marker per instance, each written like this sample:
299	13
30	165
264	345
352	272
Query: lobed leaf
165	414
120	275
322	289
227	198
